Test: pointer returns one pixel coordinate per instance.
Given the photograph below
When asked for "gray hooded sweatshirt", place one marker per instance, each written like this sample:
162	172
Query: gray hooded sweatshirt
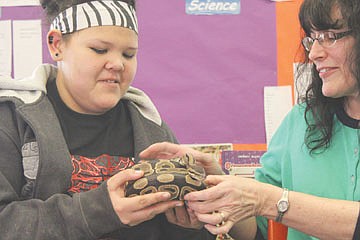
32	146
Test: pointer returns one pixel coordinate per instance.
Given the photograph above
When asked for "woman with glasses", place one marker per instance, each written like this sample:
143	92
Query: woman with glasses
310	175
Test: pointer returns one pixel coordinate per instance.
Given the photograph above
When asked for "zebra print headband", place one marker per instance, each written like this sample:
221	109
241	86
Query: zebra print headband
96	13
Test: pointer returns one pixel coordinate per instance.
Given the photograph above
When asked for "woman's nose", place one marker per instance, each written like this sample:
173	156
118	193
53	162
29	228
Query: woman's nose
317	51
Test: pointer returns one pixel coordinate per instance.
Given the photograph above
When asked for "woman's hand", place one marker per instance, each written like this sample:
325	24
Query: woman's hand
166	150
228	200
135	210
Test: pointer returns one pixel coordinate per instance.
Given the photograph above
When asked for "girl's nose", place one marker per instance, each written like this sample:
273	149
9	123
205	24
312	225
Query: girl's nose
115	64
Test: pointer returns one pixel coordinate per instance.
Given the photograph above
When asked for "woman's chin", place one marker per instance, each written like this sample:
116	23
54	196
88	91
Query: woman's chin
327	92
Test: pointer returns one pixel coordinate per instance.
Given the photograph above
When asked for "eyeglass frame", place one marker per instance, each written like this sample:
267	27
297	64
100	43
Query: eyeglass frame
337	36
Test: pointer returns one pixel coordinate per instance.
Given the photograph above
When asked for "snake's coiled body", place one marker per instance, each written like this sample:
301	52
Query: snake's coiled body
178	176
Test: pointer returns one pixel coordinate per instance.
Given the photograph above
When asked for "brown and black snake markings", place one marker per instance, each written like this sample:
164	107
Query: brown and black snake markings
178	176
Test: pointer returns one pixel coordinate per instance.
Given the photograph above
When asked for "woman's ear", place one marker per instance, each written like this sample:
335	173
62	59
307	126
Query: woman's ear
54	38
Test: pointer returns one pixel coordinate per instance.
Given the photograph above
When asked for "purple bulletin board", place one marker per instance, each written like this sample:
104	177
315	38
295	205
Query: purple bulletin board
205	73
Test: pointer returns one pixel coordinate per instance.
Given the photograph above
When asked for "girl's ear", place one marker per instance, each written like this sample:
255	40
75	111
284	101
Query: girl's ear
54	38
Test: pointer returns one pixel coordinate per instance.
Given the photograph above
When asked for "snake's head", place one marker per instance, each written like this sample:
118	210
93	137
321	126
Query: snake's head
195	171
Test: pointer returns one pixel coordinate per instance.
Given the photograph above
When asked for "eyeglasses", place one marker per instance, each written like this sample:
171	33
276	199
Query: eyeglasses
325	39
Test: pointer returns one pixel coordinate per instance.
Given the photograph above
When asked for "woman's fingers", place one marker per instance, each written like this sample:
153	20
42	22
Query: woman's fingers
211	193
220	229
214	218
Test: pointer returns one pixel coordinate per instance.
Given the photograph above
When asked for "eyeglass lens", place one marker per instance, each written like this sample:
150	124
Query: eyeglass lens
325	39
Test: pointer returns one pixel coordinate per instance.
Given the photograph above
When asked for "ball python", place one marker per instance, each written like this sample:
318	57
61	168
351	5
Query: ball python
178	176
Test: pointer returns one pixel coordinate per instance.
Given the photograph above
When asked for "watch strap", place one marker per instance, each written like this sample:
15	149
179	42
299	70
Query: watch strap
284	198
279	217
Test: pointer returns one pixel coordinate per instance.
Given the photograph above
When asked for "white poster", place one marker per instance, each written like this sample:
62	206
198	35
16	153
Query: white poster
277	103
27	47
5	47
11	3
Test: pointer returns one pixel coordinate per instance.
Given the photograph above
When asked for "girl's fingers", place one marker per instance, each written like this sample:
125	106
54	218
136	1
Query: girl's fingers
118	180
160	149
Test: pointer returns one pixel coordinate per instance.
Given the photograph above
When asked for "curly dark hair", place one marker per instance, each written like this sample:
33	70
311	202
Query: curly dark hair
320	110
54	7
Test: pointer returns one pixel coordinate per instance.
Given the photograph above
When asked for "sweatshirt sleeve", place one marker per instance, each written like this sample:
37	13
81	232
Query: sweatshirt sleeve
61	216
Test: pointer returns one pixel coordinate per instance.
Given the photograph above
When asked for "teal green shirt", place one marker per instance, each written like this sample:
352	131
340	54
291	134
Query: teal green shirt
333	173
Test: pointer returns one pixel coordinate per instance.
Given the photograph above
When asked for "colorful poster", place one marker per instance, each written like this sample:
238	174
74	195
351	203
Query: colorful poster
241	163
214	149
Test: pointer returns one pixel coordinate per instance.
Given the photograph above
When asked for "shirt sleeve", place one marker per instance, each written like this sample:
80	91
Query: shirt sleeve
272	161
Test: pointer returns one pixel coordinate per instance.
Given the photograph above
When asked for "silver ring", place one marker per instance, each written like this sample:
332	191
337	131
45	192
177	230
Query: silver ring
222	222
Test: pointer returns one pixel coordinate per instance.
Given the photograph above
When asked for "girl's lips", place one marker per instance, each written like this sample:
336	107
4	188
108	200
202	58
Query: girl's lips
110	81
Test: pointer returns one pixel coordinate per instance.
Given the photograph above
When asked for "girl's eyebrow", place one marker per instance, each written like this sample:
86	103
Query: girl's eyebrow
107	43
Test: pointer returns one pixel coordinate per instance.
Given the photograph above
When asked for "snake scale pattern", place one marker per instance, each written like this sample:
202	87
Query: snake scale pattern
178	176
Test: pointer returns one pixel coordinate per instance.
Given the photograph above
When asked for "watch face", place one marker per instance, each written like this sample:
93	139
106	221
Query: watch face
283	206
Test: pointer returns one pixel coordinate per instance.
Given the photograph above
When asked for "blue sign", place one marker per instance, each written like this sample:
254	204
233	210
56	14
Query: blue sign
210	7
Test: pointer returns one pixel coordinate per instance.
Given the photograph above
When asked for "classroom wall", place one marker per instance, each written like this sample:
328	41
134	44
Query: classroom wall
207	74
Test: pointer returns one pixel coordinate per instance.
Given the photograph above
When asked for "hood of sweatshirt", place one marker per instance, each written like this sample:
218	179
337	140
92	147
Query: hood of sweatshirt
30	89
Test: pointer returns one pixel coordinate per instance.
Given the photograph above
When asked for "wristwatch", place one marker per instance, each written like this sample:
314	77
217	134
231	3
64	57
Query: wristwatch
282	205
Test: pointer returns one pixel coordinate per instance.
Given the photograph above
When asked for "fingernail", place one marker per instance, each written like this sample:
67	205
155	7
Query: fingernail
166	195
138	172
179	204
